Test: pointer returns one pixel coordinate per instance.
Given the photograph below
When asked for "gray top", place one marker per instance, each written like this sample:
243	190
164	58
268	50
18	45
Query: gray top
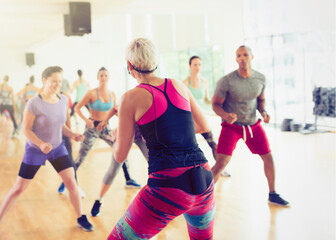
241	95
5	96
49	119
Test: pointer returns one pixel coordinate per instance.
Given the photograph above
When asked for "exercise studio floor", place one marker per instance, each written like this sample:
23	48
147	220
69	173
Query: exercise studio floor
305	176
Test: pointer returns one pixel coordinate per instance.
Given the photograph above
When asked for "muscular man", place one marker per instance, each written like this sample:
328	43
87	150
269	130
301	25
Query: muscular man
236	100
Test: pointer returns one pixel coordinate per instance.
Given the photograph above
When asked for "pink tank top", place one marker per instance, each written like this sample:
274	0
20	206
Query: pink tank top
160	101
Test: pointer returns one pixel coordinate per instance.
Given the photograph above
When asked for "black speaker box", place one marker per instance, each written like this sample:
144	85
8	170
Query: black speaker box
30	59
78	21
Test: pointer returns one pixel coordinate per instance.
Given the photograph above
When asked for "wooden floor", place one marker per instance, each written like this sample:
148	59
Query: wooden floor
305	167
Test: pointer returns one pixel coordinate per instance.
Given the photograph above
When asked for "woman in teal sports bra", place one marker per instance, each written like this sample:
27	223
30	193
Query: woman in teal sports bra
100	100
198	86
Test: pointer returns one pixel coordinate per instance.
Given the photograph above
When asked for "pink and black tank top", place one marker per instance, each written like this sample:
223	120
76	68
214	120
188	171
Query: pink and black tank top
168	129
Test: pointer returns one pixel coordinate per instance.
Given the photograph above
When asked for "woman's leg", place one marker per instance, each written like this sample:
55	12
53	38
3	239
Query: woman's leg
26	174
200	218
68	177
110	174
151	210
64	167
90	136
19	186
10	110
107	137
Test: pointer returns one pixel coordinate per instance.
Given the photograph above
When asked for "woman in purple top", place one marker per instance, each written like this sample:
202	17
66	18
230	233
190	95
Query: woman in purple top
43	125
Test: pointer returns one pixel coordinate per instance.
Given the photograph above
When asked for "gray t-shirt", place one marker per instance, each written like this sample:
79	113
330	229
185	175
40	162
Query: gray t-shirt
241	95
49	119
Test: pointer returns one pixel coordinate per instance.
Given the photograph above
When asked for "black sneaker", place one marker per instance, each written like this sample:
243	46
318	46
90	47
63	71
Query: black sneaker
83	223
95	209
275	199
132	184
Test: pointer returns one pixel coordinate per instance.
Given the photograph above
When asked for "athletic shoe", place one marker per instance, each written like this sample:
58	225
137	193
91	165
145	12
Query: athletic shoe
275	199
95	209
81	192
132	184
225	173
61	188
83	223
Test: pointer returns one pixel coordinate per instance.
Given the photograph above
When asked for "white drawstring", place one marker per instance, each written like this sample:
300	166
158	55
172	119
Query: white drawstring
244	132
250	130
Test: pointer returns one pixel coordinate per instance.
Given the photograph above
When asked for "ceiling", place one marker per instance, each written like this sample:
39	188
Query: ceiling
24	23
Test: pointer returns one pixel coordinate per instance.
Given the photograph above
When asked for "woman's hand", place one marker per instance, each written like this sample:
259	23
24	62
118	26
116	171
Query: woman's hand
45	147
101	125
78	137
89	123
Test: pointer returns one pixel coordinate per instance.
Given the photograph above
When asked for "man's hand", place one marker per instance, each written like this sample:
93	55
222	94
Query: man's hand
265	116
231	118
45	147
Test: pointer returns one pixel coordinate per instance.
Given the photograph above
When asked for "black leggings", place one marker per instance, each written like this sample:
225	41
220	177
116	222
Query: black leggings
28	171
10	110
68	146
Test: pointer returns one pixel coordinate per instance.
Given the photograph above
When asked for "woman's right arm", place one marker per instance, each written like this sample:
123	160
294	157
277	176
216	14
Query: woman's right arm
86	99
28	121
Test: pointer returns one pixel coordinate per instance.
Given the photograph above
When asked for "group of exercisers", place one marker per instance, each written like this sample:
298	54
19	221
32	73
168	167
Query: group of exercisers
161	116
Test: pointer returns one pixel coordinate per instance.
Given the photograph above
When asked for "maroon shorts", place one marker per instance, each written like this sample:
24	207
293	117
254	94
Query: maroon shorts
255	138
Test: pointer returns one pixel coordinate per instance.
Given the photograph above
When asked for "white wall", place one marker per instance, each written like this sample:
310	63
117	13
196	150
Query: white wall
13	64
170	28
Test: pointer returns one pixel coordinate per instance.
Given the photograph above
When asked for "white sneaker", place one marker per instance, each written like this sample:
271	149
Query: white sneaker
225	173
81	192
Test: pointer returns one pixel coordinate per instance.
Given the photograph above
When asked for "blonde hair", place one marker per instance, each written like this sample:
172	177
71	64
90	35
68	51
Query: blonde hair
143	55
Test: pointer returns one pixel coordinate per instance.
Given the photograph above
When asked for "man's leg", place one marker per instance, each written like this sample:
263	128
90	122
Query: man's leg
269	170
221	162
227	142
259	145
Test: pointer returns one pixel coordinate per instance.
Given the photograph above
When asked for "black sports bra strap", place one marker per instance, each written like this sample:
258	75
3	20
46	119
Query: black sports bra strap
165	87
